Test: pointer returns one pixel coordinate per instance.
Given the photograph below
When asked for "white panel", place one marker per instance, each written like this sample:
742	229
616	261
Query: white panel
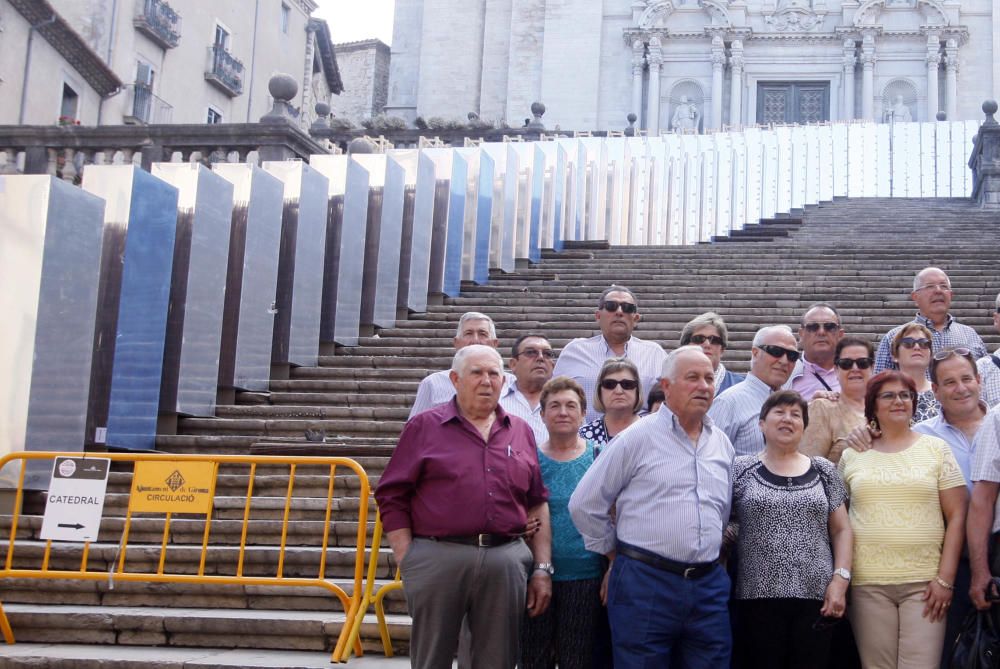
724	183
971	129
799	166
942	159
825	157
883	162
812	164
708	189
959	161
654	195
550	153
855	160
570	156
739	181
599	194
754	174
898	160
615	202
784	138
840	162
692	197
928	170
511	200
769	171
868	188
911	138
638	211
675	225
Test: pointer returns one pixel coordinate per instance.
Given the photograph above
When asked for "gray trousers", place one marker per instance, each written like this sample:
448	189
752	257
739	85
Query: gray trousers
445	583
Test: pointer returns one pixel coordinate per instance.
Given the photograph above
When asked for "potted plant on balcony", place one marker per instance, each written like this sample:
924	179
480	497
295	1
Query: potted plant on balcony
68	120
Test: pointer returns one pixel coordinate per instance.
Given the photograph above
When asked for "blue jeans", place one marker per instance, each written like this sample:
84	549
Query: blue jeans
661	620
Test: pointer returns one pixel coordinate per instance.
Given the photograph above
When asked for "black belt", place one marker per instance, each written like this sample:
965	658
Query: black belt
684	569
481	540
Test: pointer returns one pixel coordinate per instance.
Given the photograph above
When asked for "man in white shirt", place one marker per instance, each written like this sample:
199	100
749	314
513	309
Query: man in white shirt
532	359
989	365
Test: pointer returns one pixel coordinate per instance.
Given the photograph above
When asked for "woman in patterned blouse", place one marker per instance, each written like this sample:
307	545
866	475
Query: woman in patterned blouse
912	350
619	395
794	545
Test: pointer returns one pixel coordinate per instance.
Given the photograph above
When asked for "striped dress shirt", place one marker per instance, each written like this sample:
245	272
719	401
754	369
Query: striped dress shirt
986	456
737	413
437	388
989	373
581	360
514	402
671	496
952	335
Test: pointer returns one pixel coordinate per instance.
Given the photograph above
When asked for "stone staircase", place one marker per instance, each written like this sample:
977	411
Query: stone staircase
860	255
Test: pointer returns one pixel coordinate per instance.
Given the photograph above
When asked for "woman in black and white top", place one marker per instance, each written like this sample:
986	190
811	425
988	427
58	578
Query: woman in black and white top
790	586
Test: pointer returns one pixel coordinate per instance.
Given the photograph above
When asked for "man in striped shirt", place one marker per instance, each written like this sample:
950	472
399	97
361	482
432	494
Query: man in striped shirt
531	361
989	365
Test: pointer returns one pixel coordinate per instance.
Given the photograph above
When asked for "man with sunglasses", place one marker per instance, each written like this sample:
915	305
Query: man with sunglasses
737	411
532	359
989	365
818	336
617	315
932	294
709	332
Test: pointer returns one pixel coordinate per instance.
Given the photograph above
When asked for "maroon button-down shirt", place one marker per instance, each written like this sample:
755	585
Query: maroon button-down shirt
444	480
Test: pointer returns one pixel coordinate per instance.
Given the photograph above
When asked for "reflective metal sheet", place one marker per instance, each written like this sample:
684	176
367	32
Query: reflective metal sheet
739	182
655	193
799	168
140	225
614	215
562	196
708	193
458	196
754	173
638	184
496	154
898	160
484	219
911	139
928	170
855	164
692	198
538	194
429	216
511	202
868	160
825	158
50	249
299	296
840	145
400	175
783	136
334	168
769	169
198	290
724	183
883	153
812	164
255	237
942	159
675	222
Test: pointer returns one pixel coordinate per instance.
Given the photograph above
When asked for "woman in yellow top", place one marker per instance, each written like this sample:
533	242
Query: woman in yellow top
907	510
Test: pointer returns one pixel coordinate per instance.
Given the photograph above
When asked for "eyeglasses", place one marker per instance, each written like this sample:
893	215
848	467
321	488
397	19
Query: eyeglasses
934	286
778	351
626	384
948	352
913	342
861	363
701	339
814	327
546	353
611	306
902	395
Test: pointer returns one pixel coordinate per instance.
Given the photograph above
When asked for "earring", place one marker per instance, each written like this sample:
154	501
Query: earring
874	428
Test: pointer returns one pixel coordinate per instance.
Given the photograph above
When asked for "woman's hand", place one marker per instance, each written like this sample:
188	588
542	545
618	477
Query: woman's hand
531	527
604	587
938	600
835	599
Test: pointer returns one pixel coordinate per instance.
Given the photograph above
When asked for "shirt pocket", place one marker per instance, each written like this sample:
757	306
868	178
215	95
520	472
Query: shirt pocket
519	472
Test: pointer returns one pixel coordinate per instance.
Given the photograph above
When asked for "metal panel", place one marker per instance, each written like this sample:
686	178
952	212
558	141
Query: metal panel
898	159
430	211
971	130
615	203
883	161
495	154
724	183
255	237
50	249
400	175
942	159
334	168
855	162
562	196
522	180
799	168
140	224
739	181
754	167
769	171
960	150
911	139
783	137
812	164
709	165
484	218
692	197
458	195
928	170
839	145
825	158
868	160
299	296
655	194
198	288
538	193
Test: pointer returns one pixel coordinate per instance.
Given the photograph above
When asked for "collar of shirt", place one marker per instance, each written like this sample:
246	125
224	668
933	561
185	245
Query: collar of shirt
452	412
511	389
673	424
755	384
610	352
929	324
808	366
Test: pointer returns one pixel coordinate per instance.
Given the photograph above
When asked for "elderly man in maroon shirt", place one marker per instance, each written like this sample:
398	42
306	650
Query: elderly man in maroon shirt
454	499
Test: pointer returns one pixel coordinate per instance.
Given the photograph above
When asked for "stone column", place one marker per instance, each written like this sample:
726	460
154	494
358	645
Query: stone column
718	62
638	60
868	77
849	63
655	59
951	79
736	83
933	66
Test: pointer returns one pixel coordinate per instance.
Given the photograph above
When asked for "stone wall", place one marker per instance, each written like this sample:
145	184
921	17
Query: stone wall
364	69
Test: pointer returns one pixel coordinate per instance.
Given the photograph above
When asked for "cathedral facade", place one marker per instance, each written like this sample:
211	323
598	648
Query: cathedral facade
694	64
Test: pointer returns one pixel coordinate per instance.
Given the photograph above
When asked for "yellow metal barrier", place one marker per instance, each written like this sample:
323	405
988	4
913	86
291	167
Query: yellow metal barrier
145	502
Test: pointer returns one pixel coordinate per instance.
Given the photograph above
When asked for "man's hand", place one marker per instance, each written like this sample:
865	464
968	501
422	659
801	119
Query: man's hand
982	583
400	541
831	395
539	593
859	439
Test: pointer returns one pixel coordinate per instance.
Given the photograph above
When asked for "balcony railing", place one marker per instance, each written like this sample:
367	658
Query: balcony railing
224	71
158	21
144	107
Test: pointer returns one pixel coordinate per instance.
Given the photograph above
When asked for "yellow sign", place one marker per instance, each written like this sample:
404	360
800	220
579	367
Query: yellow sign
173	486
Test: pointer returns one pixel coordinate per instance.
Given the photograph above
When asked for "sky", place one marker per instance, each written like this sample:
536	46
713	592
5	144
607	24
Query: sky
353	20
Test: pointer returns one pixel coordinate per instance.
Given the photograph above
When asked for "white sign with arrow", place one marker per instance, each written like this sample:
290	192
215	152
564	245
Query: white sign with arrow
75	500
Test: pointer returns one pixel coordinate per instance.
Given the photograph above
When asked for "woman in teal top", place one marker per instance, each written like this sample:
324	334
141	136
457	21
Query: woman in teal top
565	633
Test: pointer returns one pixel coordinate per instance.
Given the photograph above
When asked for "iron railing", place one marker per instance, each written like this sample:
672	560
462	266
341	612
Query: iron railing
144	107
158	21
224	70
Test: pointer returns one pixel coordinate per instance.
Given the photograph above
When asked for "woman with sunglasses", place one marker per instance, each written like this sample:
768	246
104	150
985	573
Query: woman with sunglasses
912	350
618	396
830	421
907	510
794	544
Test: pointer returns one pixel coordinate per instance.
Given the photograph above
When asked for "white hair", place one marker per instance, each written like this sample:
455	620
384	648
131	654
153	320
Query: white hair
916	279
762	333
460	361
475	316
998	302
670	363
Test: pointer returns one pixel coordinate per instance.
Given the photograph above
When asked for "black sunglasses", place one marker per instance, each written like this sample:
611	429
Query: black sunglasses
814	327
861	363
612	306
912	342
626	384
701	339
778	351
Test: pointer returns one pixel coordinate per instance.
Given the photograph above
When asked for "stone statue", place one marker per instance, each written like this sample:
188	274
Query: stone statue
899	112
686	115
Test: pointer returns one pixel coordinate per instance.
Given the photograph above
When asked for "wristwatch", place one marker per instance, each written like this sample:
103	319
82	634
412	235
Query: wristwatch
544	566
843	573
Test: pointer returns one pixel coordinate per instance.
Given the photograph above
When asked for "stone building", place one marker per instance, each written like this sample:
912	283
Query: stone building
364	69
695	63
188	61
